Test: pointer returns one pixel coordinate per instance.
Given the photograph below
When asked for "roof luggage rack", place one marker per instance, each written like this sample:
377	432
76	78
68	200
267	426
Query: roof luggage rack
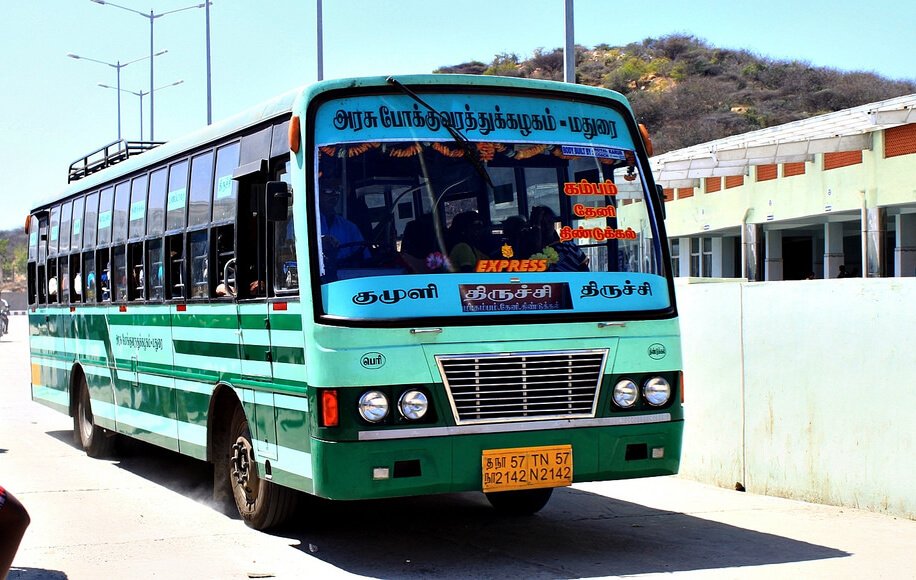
107	156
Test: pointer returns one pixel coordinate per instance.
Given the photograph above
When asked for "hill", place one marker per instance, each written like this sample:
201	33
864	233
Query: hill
688	92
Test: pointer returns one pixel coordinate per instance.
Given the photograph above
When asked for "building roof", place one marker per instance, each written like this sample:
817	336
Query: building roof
846	130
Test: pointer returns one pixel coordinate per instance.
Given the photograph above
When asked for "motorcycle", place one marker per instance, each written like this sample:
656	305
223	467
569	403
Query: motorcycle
4	319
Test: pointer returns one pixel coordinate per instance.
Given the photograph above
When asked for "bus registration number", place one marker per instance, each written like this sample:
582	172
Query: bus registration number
527	467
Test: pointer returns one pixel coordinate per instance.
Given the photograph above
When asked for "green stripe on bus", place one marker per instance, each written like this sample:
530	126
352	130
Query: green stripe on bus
210	349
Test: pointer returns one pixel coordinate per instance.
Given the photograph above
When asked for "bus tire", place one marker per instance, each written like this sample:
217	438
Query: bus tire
520	502
94	440
261	503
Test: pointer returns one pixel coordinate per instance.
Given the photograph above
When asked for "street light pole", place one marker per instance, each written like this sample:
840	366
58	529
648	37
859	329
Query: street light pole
117	66
152	16
140	94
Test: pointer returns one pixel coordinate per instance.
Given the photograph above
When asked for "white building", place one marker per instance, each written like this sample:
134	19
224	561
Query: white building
800	199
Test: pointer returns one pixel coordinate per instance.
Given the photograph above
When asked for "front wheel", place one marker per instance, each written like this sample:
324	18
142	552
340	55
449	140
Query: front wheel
92	438
261	503
520	503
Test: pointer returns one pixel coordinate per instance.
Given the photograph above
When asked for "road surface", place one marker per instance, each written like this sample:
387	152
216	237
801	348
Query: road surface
147	514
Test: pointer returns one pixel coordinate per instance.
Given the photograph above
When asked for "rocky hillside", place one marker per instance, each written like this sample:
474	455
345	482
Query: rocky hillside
689	92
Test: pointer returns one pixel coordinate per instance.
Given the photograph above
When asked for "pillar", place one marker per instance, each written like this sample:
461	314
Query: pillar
905	253
752	250
833	249
874	228
773	254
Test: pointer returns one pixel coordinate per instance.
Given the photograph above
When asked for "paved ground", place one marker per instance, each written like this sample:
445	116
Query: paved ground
146	515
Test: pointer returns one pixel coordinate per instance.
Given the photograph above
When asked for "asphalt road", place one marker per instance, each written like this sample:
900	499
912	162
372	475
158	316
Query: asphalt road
146	515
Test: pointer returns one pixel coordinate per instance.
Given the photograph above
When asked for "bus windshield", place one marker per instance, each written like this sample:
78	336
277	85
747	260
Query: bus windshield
542	210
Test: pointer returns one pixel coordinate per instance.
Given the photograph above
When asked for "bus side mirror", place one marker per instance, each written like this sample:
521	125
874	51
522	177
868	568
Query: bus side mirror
660	200
279	196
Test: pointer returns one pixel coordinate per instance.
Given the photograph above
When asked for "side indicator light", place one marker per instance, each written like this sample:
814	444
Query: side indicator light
279	305
680	380
330	414
294	134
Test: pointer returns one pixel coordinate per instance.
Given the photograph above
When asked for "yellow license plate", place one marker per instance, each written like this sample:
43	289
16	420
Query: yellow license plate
527	467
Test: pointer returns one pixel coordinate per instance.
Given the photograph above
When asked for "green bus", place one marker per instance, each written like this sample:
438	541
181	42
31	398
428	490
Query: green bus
371	288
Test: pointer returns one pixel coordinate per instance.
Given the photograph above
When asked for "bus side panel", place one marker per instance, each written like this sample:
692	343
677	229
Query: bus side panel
93	350
141	347
205	353
50	364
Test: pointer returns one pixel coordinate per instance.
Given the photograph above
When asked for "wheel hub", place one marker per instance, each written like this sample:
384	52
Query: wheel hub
244	476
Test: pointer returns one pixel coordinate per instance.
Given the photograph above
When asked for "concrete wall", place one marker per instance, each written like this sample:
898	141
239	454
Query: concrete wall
804	389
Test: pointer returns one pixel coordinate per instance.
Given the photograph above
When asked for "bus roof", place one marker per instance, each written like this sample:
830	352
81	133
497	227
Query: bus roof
284	103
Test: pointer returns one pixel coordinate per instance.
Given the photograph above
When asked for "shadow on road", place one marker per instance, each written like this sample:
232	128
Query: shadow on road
578	534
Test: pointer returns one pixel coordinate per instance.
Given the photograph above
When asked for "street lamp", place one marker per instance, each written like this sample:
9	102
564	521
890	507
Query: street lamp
140	94
117	66
152	16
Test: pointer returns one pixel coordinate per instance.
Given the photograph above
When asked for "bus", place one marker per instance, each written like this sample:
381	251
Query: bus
370	288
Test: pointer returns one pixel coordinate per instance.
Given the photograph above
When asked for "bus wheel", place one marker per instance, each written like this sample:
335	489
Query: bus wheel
520	503
92	438
261	503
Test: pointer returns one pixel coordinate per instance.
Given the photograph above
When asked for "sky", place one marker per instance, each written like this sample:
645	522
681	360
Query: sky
53	111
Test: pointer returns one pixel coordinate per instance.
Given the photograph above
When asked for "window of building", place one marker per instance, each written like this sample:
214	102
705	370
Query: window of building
766	172
713	184
734	181
706	259
841	159
675	257
793	169
684	192
695	257
900	140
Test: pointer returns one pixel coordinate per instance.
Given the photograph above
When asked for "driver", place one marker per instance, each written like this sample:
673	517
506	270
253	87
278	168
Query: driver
340	238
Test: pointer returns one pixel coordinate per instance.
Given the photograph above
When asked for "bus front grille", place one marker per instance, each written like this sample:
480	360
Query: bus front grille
527	386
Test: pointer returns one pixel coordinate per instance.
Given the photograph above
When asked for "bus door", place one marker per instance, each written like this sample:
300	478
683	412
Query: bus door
253	310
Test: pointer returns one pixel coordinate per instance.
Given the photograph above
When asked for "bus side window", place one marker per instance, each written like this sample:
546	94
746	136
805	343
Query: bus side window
103	274
198	250
156	266
119	274
42	258
135	274
224	251
64	279
89	281
175	266
76	280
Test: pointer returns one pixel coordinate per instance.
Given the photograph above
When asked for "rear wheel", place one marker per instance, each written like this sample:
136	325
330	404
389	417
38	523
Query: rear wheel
92	438
261	503
520	503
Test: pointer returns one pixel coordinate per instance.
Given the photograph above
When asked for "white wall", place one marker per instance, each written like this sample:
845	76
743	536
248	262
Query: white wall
803	389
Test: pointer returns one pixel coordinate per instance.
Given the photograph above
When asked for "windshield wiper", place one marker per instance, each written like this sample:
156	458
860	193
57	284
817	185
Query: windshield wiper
470	152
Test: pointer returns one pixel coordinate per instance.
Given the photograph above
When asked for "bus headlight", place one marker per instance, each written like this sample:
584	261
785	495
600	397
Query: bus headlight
657	391
413	404
626	393
373	406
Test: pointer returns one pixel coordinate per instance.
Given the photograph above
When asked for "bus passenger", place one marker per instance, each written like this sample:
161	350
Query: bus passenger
341	240
571	256
466	236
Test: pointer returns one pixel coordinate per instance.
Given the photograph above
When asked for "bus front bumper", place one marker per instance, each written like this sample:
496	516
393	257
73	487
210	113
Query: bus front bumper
446	464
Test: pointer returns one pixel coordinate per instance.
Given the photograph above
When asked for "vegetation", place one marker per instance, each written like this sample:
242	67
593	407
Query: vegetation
688	92
14	251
